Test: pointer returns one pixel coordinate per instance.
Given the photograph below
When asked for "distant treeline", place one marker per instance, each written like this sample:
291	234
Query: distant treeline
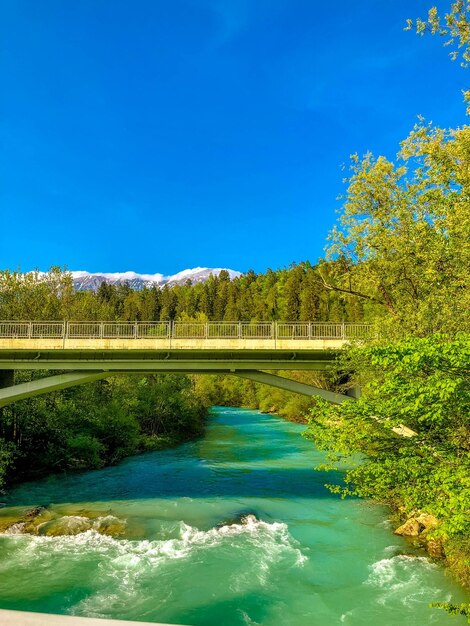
296	293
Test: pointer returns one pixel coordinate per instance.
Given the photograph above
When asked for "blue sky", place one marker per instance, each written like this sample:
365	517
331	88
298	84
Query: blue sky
153	135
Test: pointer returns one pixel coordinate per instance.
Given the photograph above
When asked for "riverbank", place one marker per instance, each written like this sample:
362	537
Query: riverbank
418	528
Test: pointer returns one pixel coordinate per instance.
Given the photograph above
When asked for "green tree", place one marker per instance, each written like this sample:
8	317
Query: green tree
403	240
292	291
423	383
454	26
309	297
168	301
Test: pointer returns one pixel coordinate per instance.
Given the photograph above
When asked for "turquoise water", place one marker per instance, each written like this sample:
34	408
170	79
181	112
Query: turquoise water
233	529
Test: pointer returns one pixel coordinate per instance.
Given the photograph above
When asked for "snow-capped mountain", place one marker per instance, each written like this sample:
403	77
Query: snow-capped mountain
88	281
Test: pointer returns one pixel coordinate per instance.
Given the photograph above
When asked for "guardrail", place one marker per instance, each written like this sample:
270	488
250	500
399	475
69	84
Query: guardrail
184	330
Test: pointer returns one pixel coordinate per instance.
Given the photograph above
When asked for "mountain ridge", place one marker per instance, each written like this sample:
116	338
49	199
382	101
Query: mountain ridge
91	281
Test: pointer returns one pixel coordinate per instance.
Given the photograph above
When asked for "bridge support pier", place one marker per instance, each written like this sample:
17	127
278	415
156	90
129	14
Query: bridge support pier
354	392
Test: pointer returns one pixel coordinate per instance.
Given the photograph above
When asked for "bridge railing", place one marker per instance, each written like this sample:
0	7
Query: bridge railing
323	330
184	330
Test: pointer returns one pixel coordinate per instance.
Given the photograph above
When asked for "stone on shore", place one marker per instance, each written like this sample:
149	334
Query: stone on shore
411	528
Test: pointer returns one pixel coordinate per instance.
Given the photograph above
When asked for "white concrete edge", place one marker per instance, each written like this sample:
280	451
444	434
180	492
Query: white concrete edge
25	618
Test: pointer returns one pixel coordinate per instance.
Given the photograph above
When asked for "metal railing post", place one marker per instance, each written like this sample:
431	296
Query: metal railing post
101	329
66	333
343	331
136	330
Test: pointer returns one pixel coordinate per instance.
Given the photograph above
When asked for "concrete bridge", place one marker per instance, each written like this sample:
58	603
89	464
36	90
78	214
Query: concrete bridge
87	351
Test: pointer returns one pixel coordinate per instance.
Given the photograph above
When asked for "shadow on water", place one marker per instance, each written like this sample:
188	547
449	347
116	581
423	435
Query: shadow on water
56	601
247	452
202	482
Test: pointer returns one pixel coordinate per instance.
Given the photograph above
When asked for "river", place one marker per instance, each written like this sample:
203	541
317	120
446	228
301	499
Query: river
233	529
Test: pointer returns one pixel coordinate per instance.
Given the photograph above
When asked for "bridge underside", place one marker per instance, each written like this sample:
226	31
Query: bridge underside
12	393
79	367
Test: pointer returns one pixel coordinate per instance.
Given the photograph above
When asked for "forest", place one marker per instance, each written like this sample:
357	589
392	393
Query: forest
296	293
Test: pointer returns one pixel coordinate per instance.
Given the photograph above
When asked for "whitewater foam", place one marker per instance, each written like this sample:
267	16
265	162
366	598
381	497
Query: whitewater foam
401	578
123	565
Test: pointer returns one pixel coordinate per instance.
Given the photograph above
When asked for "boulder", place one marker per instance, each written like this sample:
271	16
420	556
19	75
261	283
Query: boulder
35	512
76	524
66	525
427	521
239	518
33	523
29	523
411	528
7	522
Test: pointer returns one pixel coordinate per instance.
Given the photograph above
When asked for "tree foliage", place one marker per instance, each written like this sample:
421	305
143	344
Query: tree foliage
454	609
403	238
454	26
423	383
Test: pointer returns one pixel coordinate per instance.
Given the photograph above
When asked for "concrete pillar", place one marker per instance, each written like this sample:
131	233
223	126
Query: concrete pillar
354	392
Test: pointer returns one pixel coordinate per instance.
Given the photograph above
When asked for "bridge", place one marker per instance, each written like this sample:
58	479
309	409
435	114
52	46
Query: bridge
87	351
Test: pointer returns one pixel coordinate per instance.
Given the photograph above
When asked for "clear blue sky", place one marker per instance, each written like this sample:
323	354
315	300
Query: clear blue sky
155	135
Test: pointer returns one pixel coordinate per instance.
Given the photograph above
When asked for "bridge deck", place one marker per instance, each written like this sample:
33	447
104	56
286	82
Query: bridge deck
168	343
